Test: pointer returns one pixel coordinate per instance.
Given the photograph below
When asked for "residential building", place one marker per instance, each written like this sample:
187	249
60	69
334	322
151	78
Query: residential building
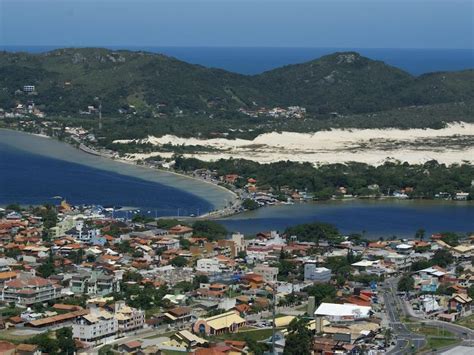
128	318
208	265
95	326
94	283
228	322
316	274
28	289
269	273
28	88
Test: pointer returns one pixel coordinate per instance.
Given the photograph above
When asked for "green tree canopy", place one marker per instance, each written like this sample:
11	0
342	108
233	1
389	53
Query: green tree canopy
209	229
299	339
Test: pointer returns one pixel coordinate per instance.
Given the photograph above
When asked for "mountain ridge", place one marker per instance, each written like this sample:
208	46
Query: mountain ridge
67	81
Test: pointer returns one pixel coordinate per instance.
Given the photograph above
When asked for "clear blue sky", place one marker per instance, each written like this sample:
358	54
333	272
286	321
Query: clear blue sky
269	23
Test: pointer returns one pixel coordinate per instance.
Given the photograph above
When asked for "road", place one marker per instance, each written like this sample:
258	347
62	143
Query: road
395	307
405	339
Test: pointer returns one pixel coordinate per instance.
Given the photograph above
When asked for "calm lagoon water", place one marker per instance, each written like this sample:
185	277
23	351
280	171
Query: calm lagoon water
34	169
376	218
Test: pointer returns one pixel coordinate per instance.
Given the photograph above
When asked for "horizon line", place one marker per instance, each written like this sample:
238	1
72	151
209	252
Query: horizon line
126	46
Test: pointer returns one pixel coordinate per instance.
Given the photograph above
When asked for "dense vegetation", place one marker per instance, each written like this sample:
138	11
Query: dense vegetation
360	179
158	95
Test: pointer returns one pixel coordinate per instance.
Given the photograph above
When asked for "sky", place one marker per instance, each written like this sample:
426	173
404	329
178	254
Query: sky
239	23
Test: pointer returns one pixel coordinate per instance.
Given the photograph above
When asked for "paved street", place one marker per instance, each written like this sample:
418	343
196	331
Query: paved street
396	307
405	339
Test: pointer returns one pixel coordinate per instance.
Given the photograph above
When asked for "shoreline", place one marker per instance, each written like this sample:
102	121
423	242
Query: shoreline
166	174
218	213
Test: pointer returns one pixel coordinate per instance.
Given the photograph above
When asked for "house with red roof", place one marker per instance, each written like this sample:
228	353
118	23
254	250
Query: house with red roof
27	289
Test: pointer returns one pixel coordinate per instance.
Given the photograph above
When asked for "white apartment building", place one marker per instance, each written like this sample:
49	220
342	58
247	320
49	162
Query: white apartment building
316	274
208	265
97	325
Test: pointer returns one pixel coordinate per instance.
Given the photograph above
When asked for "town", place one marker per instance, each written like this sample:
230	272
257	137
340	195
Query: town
79	279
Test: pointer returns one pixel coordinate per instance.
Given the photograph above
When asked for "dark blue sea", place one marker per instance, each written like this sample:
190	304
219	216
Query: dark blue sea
256	60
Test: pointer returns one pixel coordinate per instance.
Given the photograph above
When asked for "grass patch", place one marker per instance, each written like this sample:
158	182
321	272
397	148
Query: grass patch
436	337
152	311
8	335
467	322
243	334
430	330
438	343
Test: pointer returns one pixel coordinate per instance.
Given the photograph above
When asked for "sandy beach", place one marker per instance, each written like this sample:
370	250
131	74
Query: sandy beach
452	144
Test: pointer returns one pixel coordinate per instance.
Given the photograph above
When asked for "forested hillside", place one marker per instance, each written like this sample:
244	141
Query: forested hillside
67	81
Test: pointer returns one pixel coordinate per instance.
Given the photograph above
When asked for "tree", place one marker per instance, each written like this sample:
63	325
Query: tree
470	291
450	238
406	283
179	261
242	254
200	279
45	343
442	258
257	348
106	350
299	338
420	234
184	243
47	269
209	229
13	207
250	204
387	336
313	232
322	292
65	341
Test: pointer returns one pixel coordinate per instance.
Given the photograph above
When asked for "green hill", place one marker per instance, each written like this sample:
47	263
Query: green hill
68	80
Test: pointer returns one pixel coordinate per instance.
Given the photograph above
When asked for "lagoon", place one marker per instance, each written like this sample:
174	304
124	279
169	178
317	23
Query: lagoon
34	169
383	218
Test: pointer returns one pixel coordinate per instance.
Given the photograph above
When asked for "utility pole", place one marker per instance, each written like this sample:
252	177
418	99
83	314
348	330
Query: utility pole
273	318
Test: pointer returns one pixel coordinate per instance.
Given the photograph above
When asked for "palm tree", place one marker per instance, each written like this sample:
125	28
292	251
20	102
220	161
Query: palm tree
420	234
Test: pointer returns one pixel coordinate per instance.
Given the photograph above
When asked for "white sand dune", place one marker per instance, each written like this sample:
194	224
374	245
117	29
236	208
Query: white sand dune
453	144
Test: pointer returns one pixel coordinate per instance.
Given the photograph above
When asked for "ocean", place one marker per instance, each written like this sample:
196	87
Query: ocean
256	60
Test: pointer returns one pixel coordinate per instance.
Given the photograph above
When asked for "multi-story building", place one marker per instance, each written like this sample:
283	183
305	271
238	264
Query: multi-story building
208	265
129	319
83	233
28	88
27	289
269	273
316	274
95	326
94	283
